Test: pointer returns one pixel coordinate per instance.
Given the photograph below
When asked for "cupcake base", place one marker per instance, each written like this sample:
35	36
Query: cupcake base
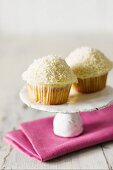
50	95
32	92
90	85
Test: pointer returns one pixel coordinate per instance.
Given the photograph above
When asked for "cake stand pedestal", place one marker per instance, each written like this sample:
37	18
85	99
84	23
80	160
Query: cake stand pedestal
68	113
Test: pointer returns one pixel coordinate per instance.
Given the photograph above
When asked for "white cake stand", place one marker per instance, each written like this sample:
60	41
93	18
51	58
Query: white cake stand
68	113
76	103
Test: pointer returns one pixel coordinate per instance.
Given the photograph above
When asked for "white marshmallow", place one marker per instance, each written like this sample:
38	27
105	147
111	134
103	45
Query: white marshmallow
67	124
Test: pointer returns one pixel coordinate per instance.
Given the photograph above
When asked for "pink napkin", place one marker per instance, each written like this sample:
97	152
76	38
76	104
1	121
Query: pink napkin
36	138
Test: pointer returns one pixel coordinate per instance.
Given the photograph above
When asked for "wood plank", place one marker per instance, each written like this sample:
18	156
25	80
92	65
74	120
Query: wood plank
108	153
84	159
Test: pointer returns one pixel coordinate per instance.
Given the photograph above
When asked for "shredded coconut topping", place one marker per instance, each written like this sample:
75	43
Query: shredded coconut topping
49	70
88	62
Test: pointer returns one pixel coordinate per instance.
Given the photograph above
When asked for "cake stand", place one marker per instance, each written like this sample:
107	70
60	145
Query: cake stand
76	103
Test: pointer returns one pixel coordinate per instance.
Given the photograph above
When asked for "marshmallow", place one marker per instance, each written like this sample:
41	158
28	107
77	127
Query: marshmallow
67	124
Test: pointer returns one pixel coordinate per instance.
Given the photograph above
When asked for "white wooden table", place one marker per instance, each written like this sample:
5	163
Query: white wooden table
15	55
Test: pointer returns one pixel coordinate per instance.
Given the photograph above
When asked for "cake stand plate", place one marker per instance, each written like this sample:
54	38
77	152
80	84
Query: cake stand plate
77	102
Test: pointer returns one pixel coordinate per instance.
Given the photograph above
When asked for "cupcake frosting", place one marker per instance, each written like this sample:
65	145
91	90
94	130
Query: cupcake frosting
49	70
88	62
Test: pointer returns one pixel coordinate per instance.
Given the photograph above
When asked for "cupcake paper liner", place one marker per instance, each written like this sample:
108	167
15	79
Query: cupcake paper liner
90	85
53	95
32	93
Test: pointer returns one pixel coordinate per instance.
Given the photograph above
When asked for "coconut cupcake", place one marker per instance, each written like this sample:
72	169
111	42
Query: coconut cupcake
91	67
49	80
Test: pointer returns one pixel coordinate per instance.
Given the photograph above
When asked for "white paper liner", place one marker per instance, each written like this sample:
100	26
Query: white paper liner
76	103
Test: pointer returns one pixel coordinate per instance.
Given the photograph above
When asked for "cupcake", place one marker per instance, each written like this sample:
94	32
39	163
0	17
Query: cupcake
49	80
91	67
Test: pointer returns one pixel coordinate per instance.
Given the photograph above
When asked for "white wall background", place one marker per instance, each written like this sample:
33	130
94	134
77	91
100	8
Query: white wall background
43	16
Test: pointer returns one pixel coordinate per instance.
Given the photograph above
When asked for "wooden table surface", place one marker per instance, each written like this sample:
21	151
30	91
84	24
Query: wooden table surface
15	55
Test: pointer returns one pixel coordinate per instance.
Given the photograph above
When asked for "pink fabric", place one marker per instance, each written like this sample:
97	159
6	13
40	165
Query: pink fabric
37	140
